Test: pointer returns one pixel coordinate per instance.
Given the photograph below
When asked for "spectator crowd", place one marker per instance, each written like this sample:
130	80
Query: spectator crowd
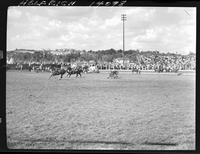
167	63
162	62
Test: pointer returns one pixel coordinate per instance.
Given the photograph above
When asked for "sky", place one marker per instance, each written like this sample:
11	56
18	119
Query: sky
165	29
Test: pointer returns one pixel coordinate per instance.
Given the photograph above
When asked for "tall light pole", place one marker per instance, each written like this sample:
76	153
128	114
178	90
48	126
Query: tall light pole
123	18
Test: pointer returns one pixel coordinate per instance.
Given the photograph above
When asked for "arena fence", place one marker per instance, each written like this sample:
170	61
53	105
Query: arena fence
26	67
149	71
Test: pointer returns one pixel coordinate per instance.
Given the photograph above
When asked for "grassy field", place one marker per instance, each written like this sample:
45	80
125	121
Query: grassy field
134	112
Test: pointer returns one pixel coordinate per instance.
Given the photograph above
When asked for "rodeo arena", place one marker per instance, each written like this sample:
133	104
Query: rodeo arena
139	105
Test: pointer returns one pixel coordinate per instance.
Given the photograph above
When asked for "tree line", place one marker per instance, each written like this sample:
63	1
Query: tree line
97	56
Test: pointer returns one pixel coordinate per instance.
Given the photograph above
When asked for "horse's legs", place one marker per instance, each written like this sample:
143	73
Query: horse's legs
61	76
50	76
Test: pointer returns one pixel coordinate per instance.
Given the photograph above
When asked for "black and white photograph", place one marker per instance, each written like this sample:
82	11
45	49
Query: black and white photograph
101	78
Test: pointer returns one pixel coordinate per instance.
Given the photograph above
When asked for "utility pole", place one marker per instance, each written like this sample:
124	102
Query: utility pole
123	18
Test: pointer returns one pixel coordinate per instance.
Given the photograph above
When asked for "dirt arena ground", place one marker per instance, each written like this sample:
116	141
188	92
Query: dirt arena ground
134	112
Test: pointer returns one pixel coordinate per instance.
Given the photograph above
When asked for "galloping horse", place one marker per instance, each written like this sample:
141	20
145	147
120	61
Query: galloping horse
60	72
77	71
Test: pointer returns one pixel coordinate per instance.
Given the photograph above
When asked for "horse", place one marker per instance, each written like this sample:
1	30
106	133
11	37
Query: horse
77	71
113	74
60	72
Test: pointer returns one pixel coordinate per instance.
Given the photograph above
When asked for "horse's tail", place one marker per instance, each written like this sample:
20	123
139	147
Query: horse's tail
53	73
